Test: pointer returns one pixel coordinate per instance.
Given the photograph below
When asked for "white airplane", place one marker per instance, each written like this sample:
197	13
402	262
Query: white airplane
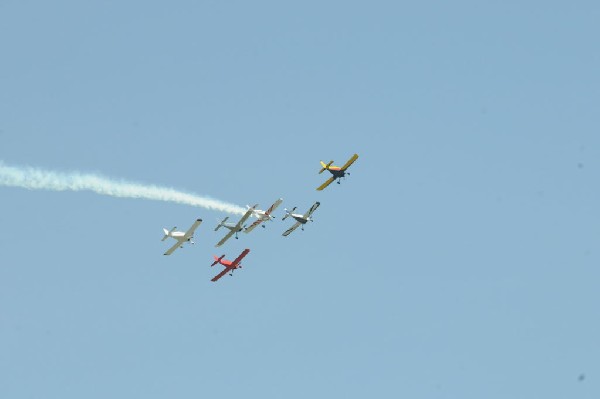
233	228
301	220
180	236
263	216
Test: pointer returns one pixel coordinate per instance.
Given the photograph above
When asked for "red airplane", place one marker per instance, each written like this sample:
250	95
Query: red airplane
229	265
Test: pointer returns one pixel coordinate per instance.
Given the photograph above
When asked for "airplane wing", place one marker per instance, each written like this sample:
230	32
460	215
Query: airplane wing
239	258
173	248
274	206
227	237
328	182
311	210
252	226
224	272
245	217
294	227
350	162
193	228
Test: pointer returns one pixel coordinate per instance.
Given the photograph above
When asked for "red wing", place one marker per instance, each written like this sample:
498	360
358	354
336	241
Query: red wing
224	272
239	258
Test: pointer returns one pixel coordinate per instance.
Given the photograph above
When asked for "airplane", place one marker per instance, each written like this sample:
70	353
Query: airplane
301	220
229	265
234	228
263	216
180	236
336	171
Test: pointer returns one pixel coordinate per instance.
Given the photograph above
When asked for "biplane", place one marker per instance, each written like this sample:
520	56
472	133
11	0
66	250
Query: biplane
180	236
233	228
301	220
229	265
263	216
337	171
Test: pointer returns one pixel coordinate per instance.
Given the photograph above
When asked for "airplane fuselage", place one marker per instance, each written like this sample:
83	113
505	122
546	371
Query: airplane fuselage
233	227
300	218
228	263
337	172
180	236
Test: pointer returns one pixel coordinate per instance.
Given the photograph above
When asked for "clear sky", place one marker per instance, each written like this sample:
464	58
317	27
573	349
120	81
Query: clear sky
459	260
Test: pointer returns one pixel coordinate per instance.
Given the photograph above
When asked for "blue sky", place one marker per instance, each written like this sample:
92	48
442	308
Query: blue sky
459	260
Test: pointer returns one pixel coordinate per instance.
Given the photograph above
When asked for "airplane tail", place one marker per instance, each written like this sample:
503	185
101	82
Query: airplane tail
217	260
221	223
252	208
287	213
325	166
167	233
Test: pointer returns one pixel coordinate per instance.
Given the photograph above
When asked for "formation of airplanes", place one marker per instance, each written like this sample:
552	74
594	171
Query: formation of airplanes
261	216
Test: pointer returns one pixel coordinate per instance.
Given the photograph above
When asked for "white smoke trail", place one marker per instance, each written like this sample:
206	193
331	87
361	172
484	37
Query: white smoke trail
38	179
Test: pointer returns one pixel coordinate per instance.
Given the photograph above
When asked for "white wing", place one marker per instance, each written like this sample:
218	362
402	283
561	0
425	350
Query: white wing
294	227
173	248
311	210
274	206
252	226
227	237
245	217
193	228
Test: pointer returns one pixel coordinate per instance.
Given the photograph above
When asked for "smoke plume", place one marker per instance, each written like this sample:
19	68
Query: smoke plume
38	179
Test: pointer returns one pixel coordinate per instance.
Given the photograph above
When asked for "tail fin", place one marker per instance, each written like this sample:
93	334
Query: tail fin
221	223
216	260
167	233
252	208
325	166
287	213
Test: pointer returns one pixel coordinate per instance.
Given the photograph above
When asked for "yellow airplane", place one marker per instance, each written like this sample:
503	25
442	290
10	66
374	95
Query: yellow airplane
336	171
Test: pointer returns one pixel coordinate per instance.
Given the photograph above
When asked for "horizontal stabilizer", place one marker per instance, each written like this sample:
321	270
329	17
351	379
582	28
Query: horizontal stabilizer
168	232
287	213
221	223
217	260
325	166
